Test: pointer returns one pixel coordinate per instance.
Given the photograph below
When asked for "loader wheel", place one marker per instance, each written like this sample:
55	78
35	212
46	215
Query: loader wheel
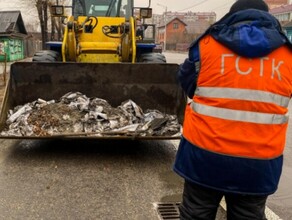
152	58
46	56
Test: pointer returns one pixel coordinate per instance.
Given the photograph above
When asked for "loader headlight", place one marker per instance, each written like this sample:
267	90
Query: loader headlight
57	10
145	12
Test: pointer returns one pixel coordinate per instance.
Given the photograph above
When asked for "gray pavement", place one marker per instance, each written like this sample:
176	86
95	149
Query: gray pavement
85	179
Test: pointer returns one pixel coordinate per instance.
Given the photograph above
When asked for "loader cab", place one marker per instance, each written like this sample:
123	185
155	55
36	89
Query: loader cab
107	31
103	8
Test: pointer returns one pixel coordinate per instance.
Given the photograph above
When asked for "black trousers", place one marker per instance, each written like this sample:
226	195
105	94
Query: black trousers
201	203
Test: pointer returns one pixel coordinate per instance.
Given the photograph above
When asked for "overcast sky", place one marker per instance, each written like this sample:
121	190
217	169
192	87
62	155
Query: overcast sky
220	7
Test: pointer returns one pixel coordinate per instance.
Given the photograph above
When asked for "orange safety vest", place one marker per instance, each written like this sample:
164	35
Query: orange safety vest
240	104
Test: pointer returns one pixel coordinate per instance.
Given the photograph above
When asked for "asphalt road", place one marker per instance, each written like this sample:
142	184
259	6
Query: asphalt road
85	179
81	179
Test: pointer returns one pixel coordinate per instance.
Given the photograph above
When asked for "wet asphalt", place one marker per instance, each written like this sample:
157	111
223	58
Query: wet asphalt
81	179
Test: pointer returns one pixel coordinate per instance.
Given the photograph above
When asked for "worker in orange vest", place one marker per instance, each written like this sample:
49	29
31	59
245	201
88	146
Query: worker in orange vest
238	77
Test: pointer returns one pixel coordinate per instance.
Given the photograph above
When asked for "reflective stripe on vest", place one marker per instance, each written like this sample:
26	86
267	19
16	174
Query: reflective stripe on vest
243	94
244	116
240	105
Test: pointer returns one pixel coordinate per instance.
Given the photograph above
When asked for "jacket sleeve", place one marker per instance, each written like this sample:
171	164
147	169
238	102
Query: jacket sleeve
188	73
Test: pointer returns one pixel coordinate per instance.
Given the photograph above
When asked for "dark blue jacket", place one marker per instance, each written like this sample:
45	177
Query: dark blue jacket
249	33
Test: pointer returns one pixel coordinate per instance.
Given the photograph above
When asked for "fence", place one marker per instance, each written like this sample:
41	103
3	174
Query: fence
31	46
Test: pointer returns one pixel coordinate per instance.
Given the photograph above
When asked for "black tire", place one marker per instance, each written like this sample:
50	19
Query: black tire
152	58
46	56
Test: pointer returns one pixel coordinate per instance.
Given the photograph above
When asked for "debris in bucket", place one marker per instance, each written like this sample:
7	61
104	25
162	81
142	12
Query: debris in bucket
77	115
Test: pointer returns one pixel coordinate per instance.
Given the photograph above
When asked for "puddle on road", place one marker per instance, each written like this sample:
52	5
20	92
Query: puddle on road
174	184
5	150
171	179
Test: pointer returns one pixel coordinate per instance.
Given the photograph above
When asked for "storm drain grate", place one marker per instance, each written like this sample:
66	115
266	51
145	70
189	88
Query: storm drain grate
167	211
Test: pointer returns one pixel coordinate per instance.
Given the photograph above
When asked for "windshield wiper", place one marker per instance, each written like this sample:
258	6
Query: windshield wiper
110	8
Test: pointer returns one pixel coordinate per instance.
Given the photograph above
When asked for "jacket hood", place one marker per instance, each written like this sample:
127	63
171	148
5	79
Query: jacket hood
249	33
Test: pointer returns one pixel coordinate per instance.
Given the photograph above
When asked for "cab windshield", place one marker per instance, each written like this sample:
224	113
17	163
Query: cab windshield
103	8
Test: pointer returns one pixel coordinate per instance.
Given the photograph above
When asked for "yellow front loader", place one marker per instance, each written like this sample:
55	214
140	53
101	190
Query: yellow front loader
104	31
107	52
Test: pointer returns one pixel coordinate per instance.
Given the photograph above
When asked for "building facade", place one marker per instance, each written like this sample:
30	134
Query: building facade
12	36
276	3
181	28
283	13
171	33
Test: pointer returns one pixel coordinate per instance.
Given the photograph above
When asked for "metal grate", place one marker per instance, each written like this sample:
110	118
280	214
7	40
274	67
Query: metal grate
167	211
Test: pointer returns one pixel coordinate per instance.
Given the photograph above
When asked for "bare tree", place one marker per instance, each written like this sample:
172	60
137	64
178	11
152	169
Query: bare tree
42	14
48	24
42	8
56	27
31	27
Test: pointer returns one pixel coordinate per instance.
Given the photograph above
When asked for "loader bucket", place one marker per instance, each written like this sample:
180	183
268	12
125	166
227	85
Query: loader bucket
151	86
